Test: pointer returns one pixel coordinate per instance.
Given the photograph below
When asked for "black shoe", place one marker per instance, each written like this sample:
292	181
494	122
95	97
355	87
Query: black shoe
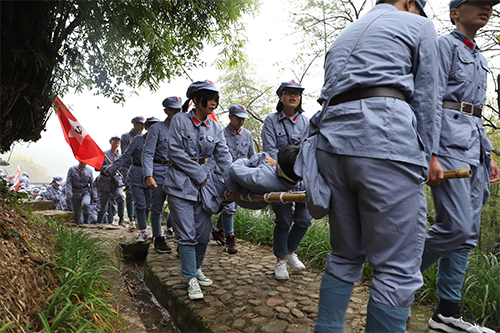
161	246
455	324
231	245
218	236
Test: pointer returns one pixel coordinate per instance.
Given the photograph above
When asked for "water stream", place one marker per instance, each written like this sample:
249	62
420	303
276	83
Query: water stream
154	317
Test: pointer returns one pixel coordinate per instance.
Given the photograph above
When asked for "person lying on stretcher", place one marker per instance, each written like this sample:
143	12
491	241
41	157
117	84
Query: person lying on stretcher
263	174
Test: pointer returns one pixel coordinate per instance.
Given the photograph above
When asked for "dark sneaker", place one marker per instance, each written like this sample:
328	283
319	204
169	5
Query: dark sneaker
218	236
231	245
161	246
456	324
121	222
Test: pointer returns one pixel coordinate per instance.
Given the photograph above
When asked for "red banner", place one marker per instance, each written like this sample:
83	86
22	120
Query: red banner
84	147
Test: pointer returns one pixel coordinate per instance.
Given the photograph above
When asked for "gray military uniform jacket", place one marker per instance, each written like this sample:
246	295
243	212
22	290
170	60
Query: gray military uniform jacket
79	182
155	149
462	78
279	131
134	174
240	143
191	138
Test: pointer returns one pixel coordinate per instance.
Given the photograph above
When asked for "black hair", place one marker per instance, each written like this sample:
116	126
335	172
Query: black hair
203	96
287	156
387	1
279	106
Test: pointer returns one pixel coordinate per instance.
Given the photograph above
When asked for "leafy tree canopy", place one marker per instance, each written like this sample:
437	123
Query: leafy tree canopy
48	47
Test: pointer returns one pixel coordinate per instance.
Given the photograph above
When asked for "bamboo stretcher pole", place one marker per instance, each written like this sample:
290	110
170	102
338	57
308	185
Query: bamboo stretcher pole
458	173
285	197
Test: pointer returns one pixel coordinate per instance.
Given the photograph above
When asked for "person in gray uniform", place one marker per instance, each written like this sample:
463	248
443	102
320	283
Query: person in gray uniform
140	190
80	190
374	144
53	191
126	139
155	163
287	126
25	179
263	174
108	187
240	143
193	138
460	142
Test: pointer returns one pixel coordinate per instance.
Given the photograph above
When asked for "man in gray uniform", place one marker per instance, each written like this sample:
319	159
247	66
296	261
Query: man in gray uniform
240	143
155	163
374	145
25	179
108	189
460	142
126	139
80	190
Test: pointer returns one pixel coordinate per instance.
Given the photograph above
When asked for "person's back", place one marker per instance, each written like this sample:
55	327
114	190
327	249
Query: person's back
394	51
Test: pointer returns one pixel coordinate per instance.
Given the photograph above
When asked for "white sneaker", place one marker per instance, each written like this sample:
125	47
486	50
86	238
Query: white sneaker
456	325
143	236
294	262
280	272
169	233
194	290
203	280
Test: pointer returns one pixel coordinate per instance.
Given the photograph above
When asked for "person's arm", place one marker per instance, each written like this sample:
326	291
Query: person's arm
425	97
251	148
269	141
122	159
69	186
148	154
248	173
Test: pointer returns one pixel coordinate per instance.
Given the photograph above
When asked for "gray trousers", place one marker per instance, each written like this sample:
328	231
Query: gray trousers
80	205
458	205
377	214
192	225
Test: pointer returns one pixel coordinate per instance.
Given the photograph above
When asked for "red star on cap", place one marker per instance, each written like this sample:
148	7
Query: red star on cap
176	99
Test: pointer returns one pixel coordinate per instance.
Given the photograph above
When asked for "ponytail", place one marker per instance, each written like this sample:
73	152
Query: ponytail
185	106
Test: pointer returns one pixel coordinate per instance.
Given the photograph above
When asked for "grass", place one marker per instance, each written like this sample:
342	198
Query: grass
82	302
480	293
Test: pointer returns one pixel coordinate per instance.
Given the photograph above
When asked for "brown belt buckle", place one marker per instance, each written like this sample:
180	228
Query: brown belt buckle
463	105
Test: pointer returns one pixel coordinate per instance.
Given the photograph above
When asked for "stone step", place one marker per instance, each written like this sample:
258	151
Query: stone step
39	204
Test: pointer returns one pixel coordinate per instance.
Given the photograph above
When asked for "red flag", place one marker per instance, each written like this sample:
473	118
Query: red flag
212	115
17	179
84	147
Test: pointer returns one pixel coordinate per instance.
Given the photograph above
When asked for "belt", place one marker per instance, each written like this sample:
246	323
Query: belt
464	107
81	187
137	164
199	160
163	162
362	93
